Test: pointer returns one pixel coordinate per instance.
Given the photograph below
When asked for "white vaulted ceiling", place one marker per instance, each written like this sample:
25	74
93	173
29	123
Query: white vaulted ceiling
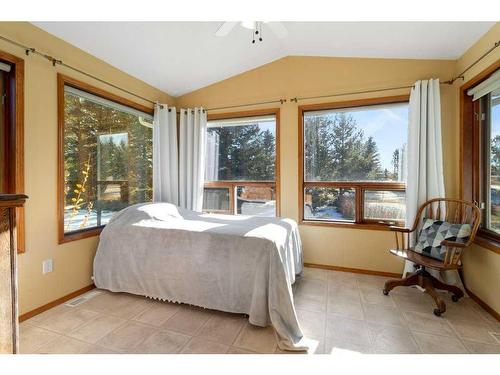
179	57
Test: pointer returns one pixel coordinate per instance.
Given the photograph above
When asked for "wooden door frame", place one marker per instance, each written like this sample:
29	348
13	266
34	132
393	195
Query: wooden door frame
16	142
469	148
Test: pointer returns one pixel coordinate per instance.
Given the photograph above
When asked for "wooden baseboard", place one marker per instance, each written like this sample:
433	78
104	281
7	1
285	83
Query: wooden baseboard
490	310
353	270
55	303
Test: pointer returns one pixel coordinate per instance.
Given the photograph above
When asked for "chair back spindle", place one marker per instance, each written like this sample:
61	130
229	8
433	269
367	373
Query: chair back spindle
453	211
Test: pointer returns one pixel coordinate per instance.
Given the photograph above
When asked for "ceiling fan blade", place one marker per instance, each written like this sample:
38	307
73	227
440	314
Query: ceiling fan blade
278	29
225	28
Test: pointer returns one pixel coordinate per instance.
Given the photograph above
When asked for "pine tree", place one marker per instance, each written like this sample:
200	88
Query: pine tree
371	162
495	156
245	153
336	150
317	136
395	164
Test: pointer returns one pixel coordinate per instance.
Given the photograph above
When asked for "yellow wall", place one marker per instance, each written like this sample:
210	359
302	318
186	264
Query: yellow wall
72	261
481	266
307	76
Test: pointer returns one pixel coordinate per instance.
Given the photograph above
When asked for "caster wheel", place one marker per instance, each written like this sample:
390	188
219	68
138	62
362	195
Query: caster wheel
454	298
437	312
386	292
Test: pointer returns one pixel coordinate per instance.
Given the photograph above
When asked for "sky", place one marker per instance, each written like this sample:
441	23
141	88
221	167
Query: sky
387	126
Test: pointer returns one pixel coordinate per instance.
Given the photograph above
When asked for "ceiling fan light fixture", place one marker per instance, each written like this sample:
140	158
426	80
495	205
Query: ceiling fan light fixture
251	25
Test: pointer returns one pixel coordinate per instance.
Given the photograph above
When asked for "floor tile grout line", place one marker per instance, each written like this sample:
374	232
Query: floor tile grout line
454	335
415	341
83	324
216	342
127	321
57	332
447	337
183	346
73	338
110	332
47	343
461	338
239	331
67	312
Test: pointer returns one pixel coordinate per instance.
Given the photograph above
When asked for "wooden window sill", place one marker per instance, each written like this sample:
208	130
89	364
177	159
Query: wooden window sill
85	233
487	243
346	225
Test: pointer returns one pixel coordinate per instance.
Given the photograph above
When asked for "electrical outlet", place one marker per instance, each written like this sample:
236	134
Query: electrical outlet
47	266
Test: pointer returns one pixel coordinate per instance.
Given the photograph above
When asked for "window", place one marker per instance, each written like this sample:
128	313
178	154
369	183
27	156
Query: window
12	134
481	152
490	150
105	156
241	171
353	162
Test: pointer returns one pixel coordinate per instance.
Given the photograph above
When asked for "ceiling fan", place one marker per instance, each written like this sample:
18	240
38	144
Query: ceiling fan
277	28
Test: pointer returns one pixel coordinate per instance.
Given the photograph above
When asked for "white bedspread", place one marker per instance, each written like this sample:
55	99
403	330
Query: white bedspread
239	264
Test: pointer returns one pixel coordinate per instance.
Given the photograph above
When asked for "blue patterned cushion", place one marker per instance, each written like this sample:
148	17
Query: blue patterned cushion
434	232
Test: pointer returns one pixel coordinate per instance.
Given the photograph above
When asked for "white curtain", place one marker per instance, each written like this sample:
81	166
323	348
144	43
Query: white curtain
165	159
192	136
425	157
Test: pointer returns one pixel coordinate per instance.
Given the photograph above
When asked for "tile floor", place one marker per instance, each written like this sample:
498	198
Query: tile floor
338	311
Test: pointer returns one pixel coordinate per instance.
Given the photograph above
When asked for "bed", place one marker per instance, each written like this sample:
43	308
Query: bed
238	264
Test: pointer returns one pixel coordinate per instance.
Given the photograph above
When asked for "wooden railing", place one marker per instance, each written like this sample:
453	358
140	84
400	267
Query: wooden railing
233	185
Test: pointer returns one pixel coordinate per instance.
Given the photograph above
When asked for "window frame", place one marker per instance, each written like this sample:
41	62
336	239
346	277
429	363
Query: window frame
62	81
359	186
232	184
16	141
472	165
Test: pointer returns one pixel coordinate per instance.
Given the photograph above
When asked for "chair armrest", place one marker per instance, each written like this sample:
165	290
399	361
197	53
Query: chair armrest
400	229
453	244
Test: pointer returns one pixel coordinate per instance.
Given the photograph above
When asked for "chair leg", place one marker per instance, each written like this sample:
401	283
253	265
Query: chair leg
457	292
428	285
407	281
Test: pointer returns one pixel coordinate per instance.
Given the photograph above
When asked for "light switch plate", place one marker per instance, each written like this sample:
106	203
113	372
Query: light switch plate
47	266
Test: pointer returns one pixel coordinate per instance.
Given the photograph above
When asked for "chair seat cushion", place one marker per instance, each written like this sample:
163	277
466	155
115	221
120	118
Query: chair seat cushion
434	232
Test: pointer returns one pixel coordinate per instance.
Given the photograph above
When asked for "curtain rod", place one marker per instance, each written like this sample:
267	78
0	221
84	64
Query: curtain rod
56	61
449	82
461	75
280	101
296	99
30	50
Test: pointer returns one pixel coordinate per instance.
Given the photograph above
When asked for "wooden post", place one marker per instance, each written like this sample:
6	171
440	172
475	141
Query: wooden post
9	330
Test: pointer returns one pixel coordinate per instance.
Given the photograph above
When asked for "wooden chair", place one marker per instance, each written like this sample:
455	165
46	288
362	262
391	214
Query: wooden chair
453	211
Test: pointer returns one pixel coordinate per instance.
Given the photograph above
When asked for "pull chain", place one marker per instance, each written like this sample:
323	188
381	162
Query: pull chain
257	30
